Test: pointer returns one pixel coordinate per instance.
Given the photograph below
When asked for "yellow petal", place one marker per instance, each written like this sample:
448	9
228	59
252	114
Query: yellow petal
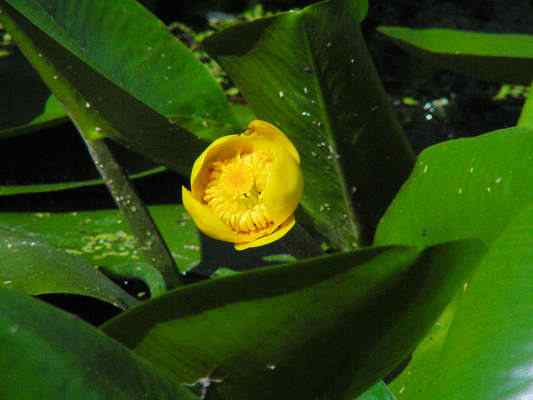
271	133
282	230
284	189
206	220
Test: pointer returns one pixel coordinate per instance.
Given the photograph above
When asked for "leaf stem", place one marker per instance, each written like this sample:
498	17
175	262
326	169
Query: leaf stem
133	211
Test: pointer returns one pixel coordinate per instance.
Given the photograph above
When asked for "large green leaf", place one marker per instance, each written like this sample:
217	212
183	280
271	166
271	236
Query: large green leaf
459	189
330	326
425	360
488	353
120	73
49	354
101	237
309	72
490	56
33	266
463	188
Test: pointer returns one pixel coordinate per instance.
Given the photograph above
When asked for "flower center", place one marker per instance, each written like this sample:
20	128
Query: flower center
234	191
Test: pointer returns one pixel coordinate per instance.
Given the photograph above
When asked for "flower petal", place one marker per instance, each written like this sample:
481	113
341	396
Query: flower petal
284	189
271	133
282	230
206	220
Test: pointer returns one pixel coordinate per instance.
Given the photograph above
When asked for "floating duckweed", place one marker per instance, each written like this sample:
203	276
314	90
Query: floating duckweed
103	245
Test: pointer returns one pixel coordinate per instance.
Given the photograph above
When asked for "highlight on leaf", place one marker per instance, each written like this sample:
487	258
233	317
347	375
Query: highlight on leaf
246	187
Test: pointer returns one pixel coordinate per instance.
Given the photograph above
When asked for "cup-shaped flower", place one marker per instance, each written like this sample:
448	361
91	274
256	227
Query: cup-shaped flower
245	188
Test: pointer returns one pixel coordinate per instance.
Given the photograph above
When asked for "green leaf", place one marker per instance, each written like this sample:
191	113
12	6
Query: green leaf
309	72
487	353
459	189
12	190
425	360
35	267
490	56
49	354
330	326
26	104
102	238
379	391
462	188
120	73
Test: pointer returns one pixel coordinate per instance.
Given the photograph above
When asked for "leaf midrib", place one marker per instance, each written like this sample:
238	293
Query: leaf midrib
329	136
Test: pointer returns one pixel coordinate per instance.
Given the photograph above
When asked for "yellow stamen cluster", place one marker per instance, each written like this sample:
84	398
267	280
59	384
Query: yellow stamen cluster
234	191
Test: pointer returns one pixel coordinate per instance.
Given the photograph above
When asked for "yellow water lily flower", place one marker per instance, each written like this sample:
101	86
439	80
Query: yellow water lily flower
245	188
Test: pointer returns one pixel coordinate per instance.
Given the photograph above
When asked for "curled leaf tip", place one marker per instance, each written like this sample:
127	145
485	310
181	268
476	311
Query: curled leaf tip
245	188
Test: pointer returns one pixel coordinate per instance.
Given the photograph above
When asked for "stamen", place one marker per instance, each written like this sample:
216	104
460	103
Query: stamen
234	191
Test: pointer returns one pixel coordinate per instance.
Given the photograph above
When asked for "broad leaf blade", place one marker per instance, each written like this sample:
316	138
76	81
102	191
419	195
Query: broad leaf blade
114	82
490	56
309	73
35	267
487	353
323	327
462	189
48	354
133	49
425	360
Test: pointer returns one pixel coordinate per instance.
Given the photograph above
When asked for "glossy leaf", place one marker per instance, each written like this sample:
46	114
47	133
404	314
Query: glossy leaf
422	364
49	354
327	326
120	73
490	56
309	73
33	266
55	187
102	238
488	352
463	188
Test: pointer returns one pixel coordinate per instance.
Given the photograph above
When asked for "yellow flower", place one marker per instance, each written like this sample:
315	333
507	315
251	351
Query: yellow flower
245	188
